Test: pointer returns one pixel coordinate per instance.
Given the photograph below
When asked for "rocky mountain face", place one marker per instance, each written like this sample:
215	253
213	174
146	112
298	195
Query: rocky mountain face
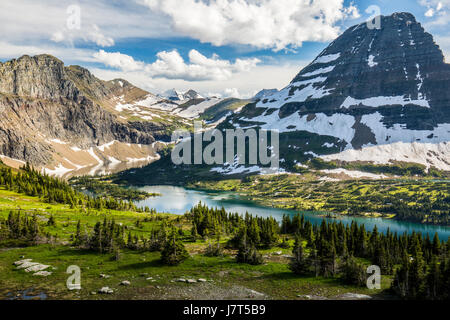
375	95
264	93
68	122
44	104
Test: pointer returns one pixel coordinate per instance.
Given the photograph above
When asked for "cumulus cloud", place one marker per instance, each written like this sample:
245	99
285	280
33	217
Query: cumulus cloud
232	93
102	22
91	34
171	65
118	60
276	24
437	9
248	83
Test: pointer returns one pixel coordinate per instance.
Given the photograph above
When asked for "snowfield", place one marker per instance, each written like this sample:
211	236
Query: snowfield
428	154
376	102
355	174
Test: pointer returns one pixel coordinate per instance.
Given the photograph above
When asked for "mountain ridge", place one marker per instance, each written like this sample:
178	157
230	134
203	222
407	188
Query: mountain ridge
369	87
45	104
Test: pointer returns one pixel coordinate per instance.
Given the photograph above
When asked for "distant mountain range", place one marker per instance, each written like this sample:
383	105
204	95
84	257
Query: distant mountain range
373	95
175	95
66	121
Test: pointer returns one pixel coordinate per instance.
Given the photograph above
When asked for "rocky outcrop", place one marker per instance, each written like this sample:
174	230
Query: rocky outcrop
42	100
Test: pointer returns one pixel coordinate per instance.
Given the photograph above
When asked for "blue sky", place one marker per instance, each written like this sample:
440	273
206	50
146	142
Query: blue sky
228	47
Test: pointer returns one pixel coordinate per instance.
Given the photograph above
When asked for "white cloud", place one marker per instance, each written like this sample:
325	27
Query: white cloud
171	65
96	36
38	23
260	77
232	93
437	9
276	24
91	34
66	54
429	13
118	60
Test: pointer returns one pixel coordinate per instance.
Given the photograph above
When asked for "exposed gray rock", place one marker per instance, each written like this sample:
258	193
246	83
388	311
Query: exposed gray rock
18	263
37	267
43	273
353	296
106	290
40	97
27	265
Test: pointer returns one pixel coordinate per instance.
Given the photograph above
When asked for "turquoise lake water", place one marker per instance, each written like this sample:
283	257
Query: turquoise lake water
178	200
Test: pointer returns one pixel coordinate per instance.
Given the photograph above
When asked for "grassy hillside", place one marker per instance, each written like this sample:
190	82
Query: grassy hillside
226	278
419	200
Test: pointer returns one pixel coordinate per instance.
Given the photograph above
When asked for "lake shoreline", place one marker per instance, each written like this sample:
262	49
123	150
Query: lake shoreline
179	200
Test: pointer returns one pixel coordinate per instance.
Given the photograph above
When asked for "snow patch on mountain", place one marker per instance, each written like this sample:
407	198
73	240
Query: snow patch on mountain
354	174
195	110
337	125
309	81
427	154
327	58
370	61
376	102
318	71
399	132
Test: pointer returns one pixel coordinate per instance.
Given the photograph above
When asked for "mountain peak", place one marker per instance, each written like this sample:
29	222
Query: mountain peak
403	15
368	87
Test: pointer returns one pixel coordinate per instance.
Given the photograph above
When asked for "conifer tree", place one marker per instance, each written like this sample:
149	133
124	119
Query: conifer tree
174	251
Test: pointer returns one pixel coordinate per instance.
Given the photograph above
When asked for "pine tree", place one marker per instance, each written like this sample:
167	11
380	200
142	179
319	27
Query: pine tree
417	272
174	251
300	264
353	273
78	241
436	244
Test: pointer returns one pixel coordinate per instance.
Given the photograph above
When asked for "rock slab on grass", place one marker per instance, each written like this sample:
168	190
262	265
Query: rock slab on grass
20	262
27	265
106	290
354	296
43	274
37	268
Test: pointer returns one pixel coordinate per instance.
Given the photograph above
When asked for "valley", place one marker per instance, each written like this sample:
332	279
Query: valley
87	179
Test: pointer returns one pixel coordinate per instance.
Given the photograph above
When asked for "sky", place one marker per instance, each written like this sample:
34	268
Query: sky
216	47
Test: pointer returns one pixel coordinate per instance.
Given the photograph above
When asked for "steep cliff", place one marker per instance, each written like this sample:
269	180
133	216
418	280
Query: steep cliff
44	104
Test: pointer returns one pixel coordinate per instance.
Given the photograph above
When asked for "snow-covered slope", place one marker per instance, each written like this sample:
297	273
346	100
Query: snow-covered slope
428	154
375	95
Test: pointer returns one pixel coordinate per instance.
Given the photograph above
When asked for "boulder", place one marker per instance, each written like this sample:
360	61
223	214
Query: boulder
106	290
354	296
36	268
43	274
27	265
18	263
